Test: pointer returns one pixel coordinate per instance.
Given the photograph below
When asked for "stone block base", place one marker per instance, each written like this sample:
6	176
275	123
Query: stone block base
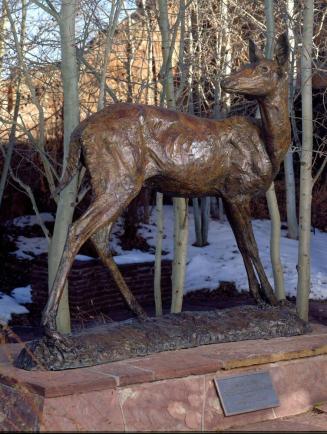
169	391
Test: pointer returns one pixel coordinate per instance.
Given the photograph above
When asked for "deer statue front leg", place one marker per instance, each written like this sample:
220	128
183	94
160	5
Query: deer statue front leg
238	213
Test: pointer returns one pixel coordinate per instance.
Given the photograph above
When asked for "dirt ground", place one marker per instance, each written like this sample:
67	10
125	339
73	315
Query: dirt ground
27	326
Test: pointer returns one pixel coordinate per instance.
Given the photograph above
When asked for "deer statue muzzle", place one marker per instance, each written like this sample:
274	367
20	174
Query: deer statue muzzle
128	146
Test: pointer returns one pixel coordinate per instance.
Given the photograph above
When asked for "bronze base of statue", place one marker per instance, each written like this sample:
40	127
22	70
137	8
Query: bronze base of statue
134	337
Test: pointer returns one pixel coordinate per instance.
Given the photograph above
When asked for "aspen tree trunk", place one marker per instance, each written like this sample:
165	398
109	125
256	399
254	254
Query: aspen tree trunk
303	287
66	203
192	106
150	58
292	225
164	26
159	196
180	253
225	48
3	23
223	54
39	142
197	223
200	205
129	61
180	204
11	145
113	19
12	135
214	210
157	264
271	194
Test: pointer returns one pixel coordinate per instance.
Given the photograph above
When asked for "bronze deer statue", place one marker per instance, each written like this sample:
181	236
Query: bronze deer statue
127	146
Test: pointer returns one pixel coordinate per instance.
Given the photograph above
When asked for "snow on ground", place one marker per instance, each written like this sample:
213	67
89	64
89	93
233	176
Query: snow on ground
23	294
220	261
28	247
12	303
31	220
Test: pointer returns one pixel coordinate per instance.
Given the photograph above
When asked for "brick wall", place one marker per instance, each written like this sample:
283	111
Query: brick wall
92	289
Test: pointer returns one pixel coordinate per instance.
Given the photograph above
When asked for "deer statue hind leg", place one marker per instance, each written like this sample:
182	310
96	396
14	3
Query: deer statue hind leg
104	209
238	213
100	240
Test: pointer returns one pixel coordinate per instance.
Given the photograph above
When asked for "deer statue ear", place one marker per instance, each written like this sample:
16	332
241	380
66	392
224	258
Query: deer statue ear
282	49
254	53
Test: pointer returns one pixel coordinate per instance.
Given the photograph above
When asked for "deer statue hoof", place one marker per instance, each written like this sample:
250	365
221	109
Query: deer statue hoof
56	337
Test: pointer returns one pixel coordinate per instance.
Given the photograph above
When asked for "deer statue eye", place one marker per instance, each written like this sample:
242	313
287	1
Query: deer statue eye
264	69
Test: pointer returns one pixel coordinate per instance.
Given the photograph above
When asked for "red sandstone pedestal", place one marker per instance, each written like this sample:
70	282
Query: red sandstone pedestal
170	391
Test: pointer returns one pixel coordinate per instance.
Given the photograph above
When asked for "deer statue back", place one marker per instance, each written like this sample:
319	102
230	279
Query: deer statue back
127	146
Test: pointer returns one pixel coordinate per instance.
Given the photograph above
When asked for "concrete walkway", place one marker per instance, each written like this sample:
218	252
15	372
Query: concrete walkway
315	420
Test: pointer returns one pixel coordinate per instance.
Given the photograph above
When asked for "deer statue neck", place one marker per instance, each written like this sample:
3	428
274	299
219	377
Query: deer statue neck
275	123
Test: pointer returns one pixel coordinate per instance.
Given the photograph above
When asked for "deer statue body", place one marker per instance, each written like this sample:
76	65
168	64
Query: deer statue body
127	146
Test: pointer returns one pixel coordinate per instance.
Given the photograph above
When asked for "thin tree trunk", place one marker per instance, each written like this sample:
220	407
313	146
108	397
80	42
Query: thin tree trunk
180	204
12	135
214	210
304	275
11	145
167	80
3	24
113	19
197	223
150	76
67	197
191	109
223	51
221	211
205	213
200	205
292	225
129	60
271	195
163	24
158	255
275	243
180	253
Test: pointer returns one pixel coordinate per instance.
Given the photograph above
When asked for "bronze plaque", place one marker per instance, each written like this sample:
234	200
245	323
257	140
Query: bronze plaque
245	393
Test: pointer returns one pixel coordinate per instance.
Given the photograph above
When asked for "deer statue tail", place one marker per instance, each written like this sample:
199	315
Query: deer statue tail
73	163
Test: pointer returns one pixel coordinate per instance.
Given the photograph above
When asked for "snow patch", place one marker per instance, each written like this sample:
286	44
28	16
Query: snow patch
30	247
83	258
8	306
31	220
133	257
219	261
22	295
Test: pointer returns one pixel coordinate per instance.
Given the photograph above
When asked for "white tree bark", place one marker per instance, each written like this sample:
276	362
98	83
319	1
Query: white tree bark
304	273
67	198
113	20
180	204
12	136
3	25
292	225
180	253
11	145
158	255
275	233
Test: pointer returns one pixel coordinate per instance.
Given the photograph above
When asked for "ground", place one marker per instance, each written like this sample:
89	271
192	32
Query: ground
215	274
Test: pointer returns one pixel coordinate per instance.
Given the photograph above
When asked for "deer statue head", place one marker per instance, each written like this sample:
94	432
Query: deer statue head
261	77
